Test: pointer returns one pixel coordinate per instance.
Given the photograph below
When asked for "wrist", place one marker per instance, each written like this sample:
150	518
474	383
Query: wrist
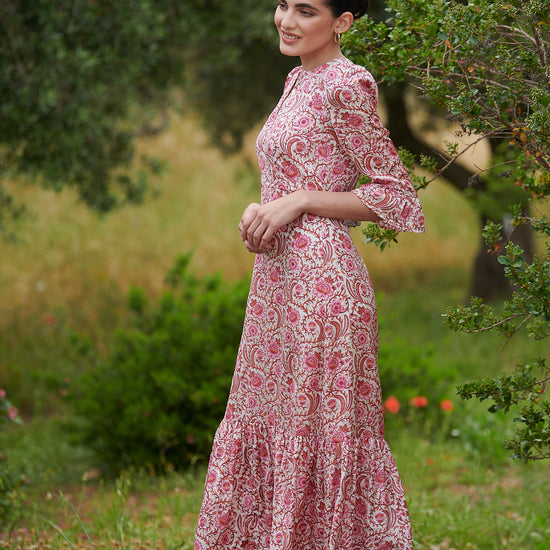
302	197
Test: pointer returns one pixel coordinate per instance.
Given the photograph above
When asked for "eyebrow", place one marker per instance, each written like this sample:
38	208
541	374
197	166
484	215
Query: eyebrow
303	5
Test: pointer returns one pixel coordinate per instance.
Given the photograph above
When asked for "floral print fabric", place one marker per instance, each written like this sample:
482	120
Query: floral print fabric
299	461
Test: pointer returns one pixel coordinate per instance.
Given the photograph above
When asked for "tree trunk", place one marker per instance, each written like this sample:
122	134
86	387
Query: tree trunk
488	280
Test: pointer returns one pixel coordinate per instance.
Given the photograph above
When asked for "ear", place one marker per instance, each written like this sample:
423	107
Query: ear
343	22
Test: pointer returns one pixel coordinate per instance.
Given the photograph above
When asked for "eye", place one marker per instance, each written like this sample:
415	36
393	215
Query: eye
281	5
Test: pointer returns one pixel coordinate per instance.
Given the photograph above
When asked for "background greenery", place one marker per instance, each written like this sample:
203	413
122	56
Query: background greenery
85	307
65	294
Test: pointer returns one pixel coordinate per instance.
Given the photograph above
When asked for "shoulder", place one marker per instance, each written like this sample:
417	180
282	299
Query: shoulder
351	80
292	75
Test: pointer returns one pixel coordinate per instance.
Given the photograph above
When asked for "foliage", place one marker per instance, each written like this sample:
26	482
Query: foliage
528	310
408	372
379	237
418	388
527	384
8	413
157	398
79	81
71	74
232	92
487	64
529	307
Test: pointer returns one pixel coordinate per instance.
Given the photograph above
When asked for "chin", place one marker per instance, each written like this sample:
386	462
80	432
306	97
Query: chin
287	50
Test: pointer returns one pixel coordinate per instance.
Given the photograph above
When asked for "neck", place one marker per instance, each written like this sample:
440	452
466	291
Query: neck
310	63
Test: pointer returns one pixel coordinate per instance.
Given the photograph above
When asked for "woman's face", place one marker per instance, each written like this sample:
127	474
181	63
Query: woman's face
306	28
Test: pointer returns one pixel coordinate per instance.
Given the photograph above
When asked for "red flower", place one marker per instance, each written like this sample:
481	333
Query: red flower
419	401
391	405
49	319
447	405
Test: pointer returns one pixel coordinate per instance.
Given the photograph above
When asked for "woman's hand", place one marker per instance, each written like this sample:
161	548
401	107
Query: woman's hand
259	222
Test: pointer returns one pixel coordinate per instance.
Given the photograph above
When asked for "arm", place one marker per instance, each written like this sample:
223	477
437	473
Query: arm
260	222
389	199
354	118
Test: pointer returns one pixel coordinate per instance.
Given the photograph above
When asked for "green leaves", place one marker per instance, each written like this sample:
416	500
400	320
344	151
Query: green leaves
529	307
234	71
79	81
527	384
486	64
529	310
71	75
380	237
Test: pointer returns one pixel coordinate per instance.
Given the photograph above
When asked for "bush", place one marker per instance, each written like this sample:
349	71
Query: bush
156	399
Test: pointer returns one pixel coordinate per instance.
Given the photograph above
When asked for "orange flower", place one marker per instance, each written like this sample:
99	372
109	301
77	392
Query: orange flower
391	404
419	401
447	405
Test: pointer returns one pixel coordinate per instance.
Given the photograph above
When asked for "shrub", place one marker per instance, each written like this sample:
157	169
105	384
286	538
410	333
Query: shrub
157	397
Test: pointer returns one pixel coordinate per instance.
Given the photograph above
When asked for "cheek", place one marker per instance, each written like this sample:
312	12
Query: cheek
277	18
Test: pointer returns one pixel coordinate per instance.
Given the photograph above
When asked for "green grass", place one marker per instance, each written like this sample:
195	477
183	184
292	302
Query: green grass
69	273
456	500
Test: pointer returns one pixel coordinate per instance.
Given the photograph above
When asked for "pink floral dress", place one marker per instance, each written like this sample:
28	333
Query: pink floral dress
299	461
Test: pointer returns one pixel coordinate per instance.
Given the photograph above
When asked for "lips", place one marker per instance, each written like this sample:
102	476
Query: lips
288	37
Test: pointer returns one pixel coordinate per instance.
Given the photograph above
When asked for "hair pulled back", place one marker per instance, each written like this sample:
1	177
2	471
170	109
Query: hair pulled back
357	7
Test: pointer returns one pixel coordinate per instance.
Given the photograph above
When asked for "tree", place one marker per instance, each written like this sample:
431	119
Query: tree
487	64
234	71
71	74
80	80
488	199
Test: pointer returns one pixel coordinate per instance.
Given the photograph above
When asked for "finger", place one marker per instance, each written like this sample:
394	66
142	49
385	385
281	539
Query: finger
242	232
267	238
255	232
243	228
247	218
251	248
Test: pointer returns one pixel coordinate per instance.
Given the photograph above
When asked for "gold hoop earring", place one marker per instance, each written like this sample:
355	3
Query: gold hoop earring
337	36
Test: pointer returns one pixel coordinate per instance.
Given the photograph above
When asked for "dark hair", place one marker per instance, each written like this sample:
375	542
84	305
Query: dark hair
357	7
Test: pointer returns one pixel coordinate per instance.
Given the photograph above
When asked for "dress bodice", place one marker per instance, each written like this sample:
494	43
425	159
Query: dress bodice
324	132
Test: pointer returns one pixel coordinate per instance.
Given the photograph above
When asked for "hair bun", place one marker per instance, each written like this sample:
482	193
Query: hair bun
361	7
357	7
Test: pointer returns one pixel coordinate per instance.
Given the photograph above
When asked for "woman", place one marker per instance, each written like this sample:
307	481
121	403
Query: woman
299	461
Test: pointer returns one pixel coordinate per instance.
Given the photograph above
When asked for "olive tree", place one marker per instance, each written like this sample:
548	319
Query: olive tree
80	80
71	74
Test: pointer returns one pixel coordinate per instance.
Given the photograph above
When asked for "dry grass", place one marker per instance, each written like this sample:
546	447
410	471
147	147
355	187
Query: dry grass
70	259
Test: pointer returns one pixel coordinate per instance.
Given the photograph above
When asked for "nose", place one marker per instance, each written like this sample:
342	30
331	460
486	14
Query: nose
287	19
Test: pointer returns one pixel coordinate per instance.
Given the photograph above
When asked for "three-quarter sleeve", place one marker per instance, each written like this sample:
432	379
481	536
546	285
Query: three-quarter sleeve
390	194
